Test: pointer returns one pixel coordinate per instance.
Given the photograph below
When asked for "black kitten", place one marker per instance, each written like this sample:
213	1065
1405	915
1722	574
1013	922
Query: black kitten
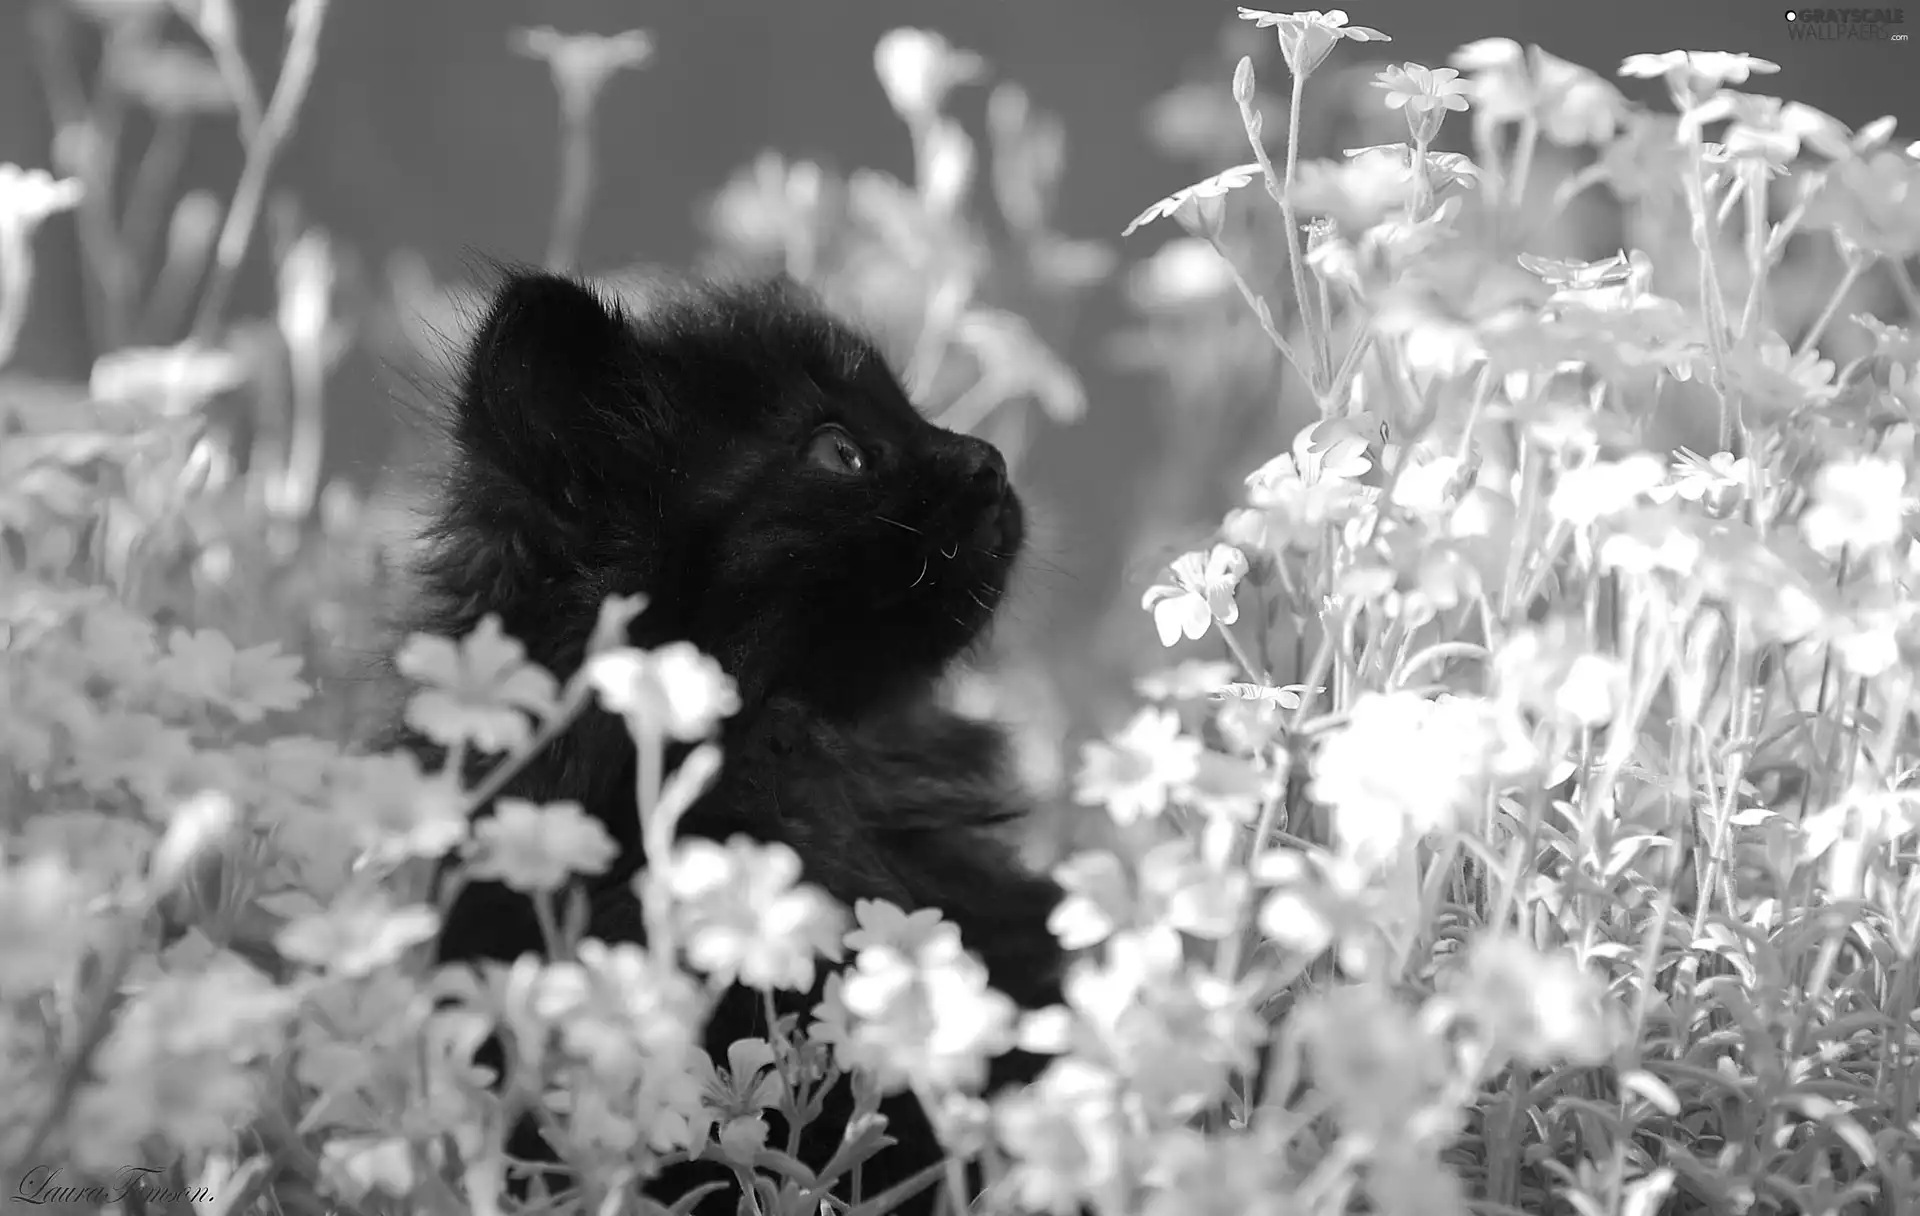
752	466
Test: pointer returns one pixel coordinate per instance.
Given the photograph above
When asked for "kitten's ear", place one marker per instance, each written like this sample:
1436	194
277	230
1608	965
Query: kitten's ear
549	394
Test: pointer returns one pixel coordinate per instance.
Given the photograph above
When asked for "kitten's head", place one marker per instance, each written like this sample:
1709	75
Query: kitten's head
742	458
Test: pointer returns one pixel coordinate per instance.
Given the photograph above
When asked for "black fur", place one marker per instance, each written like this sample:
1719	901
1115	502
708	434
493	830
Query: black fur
601	449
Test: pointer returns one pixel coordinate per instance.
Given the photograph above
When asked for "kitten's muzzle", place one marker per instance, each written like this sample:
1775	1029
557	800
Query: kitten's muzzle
1000	527
986	467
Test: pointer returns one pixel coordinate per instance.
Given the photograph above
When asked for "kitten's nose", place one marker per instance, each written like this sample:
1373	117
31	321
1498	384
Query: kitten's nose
986	467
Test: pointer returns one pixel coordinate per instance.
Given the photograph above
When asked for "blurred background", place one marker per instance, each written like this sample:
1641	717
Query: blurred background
976	229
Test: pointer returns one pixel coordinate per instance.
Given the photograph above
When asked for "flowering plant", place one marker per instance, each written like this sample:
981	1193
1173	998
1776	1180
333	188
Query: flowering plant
1524	825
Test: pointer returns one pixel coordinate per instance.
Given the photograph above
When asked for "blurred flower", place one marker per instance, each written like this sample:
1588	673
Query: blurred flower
203	667
1552	671
1444	751
534	848
944	163
28	197
306	279
1307	38
746	916
1573	105
1202	593
1427	482
1693	74
1188	680
1871	204
631	1021
1170	889
182	1060
1225	1174
583	63
1584	495
1357	192
1302	916
925	1018
1067	1135
1858	505
364	1165
479	688
1174	1031
46	926
772	207
193	827
1425	95
357	936
880	923
918	68
1648	159
111	849
1249	726
1134	773
138	749
1372	1057
618	1007
1773	131
1772	381
1183	273
388	806
1542	1009
675	689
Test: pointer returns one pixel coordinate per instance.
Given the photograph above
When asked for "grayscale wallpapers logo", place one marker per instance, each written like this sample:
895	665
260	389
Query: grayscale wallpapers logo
1846	24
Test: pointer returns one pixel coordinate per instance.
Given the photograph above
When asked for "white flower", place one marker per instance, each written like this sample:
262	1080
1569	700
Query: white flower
1404	767
746	915
535	848
582	63
306	281
620	1007
1605	488
1858	505
1202	592
29	196
1067	1135
357	936
1698	71
1544	1009
1307	38
1185	272
918	67
45	927
926	1018
883	924
675	688
1134	774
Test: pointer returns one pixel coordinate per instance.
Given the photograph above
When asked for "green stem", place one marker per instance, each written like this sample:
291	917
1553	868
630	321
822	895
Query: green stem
1296	262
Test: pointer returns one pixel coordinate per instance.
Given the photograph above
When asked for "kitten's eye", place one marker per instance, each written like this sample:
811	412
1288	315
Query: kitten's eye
834	450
